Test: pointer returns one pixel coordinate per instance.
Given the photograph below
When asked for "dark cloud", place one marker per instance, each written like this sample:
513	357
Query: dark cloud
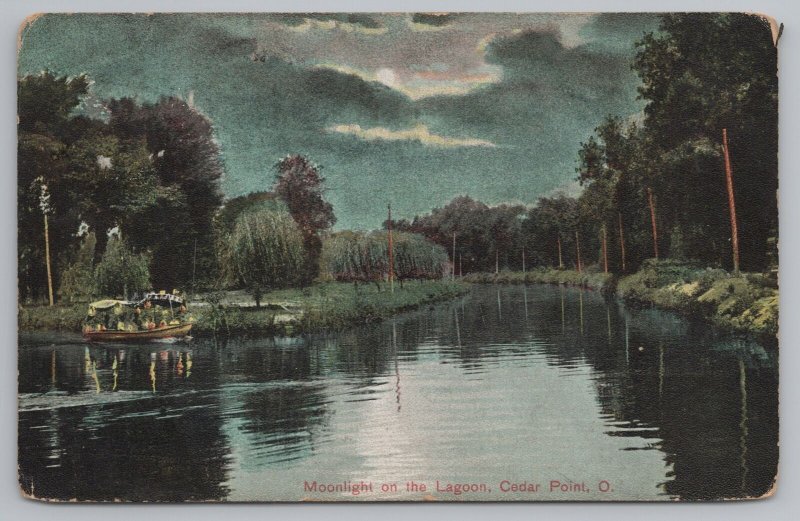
436	20
617	32
533	86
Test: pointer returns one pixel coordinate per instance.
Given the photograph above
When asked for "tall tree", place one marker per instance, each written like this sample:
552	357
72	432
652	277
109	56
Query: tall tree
186	159
46	128
703	72
300	184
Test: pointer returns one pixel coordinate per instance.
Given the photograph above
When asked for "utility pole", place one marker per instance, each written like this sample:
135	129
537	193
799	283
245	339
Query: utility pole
47	261
454	257
621	241
391	250
194	266
652	205
731	202
523	260
605	250
44	204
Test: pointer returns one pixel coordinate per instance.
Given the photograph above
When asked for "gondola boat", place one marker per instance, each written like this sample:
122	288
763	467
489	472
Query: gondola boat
136	321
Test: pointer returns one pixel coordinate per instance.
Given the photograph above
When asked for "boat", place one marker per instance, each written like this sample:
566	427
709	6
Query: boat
157	316
158	333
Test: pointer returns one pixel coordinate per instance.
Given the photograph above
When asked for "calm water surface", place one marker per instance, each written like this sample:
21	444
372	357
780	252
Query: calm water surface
506	385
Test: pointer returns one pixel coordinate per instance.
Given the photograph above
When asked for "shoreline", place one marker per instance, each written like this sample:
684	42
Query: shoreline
321	307
747	303
744	303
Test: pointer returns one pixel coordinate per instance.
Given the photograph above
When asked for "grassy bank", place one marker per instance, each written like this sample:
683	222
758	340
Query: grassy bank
593	280
327	306
747	302
61	317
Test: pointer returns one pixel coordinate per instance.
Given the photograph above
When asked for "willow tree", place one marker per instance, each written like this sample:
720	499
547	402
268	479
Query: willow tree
263	252
363	257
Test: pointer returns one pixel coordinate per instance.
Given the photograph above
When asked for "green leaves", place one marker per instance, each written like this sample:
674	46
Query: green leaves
264	251
121	272
357	256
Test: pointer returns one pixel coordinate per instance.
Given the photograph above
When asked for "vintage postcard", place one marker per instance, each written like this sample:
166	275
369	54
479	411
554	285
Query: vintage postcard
397	257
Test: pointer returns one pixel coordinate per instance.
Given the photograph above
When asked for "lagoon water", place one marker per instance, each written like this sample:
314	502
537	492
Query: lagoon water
532	393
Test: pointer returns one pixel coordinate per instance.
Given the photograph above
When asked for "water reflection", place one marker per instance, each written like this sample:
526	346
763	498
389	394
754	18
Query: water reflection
668	407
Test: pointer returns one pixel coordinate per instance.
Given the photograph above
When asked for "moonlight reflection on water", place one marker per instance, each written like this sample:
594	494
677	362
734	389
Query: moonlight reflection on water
504	392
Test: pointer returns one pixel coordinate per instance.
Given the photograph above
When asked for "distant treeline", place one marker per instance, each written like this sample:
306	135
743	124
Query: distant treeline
655	187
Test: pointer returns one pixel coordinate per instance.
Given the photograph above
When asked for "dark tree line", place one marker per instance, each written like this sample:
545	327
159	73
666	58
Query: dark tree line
150	172
701	73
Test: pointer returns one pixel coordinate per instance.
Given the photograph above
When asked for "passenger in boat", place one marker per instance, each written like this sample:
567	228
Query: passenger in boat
137	318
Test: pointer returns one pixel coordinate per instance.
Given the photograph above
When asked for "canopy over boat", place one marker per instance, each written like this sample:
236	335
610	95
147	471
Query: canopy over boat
162	298
110	303
102	305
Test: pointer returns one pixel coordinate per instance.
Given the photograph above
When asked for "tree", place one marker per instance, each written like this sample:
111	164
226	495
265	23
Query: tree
121	272
178	227
363	257
550	223
46	130
702	72
77	280
299	184
112	182
263	252
152	171
46	102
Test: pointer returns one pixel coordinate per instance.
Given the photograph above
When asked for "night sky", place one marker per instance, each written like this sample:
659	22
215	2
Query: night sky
401	108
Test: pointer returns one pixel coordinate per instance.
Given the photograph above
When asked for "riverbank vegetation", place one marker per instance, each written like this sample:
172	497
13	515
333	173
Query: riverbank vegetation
745	302
325	306
585	279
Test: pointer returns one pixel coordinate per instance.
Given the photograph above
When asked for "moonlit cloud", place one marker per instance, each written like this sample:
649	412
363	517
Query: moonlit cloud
418	84
406	43
311	24
419	133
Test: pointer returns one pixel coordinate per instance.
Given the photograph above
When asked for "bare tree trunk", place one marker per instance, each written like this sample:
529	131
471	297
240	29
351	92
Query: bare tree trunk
47	260
454	256
731	201
523	259
391	252
652	205
605	251
578	251
560	259
621	241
